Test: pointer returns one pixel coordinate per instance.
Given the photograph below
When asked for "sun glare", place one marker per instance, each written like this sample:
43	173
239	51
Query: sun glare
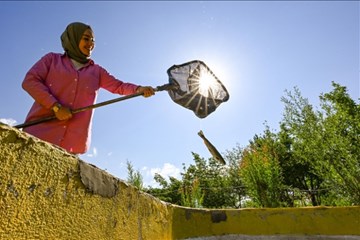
206	82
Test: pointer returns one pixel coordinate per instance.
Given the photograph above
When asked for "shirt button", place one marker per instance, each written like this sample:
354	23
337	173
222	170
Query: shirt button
75	79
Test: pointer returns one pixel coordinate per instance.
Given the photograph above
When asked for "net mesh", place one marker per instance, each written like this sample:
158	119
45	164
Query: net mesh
197	88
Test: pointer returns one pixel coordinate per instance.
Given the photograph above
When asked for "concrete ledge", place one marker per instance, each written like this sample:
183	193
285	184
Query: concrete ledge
46	193
274	223
278	237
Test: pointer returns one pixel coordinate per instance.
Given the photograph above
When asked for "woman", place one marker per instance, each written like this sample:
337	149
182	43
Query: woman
62	82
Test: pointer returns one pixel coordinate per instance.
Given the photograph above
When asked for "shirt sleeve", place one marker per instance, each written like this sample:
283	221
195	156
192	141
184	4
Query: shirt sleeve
114	85
34	82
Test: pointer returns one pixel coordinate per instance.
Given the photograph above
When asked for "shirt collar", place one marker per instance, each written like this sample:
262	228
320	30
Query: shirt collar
91	62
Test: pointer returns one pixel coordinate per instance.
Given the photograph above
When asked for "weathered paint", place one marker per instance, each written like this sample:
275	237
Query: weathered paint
43	196
192	223
46	193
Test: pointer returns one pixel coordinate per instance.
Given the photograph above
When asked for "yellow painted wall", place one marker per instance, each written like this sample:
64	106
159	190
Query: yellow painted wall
275	221
46	193
42	196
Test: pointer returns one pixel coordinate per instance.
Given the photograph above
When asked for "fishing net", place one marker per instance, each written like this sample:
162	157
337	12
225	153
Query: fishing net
197	88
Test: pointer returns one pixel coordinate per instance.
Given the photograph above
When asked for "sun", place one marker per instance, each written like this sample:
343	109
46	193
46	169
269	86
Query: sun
207	82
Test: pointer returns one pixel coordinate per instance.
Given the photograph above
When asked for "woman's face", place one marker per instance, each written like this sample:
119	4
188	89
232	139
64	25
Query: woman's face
87	42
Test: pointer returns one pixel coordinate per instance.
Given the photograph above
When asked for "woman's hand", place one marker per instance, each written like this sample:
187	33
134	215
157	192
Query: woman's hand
146	91
61	112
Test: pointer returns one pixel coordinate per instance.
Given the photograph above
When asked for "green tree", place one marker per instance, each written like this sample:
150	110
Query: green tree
323	147
168	191
301	129
206	183
134	177
261	171
213	179
341	138
236	189
192	196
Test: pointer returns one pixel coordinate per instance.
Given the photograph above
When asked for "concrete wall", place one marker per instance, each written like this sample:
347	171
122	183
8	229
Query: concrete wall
290	223
46	193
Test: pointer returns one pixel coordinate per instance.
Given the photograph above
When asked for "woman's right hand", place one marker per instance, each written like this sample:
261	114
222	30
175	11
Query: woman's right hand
62	113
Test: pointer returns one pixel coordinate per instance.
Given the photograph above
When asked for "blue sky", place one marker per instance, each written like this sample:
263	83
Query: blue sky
258	49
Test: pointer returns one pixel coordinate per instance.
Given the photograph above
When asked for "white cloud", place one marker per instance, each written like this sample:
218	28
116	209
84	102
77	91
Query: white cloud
8	121
166	171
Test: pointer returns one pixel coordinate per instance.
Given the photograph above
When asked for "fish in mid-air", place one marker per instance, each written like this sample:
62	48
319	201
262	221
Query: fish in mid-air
214	152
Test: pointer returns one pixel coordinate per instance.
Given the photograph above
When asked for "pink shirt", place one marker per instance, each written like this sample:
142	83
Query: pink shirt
54	79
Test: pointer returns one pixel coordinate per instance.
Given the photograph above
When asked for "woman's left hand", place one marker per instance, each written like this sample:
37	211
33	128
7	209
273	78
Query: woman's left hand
146	91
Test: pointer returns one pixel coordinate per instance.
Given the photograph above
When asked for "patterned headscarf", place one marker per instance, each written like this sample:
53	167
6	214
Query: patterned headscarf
70	40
